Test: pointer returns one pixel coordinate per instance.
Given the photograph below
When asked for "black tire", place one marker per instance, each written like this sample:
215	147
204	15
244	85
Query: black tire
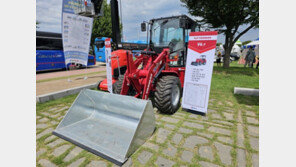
168	94
117	86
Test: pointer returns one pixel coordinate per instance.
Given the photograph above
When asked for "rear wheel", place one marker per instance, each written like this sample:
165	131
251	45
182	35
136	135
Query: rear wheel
117	86
168	94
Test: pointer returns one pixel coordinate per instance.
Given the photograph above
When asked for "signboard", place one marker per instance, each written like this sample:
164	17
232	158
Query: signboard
108	63
199	69
76	32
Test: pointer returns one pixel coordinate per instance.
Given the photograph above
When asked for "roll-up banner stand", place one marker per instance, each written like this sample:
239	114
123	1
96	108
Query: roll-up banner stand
76	32
199	69
108	63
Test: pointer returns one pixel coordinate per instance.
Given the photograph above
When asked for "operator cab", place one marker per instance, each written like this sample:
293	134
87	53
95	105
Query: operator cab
171	32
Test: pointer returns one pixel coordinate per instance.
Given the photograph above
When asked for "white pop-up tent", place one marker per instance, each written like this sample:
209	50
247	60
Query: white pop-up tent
253	43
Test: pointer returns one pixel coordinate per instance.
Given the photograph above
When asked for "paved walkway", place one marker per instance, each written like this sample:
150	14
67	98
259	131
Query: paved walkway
56	81
226	136
56	74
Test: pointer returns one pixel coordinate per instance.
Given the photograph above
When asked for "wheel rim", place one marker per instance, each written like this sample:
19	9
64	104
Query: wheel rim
175	95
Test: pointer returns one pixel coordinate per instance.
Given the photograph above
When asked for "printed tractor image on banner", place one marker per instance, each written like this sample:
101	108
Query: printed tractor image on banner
199	68
200	61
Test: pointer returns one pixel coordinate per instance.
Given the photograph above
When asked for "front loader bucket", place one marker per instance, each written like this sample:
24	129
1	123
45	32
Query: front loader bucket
109	125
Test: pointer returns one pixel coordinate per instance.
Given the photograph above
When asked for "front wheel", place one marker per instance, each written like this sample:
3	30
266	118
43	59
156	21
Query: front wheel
168	94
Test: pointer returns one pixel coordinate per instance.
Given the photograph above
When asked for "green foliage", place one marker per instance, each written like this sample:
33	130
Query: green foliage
102	26
246	42
37	23
226	16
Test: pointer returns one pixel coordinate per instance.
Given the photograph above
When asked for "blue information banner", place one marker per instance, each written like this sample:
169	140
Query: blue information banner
76	32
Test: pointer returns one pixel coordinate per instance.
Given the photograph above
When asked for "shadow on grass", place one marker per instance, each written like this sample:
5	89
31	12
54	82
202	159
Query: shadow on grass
247	100
237	71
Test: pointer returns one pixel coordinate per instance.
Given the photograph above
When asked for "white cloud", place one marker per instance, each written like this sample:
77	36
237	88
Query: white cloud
134	12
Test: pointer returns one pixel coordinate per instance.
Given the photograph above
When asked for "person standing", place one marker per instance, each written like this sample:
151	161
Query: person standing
250	57
219	59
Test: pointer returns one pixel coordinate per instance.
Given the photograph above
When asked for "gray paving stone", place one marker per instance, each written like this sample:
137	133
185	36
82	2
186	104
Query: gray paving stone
164	162
60	150
207	164
170	151
205	134
41	151
228	116
61	109
61	117
192	141
223	152
55	143
178	117
56	115
193	125
46	163
177	138
254	142
250	113
255	160
216	116
41	126
219	130
206	152
162	135
180	114
43	120
184	130
193	116
151	146
224	122
52	137
46	113
240	135
225	139
43	133
169	119
253	130
169	126
53	109
77	162
241	157
72	154
211	111
230	110
96	164
252	120
229	103
54	122
187	156
144	157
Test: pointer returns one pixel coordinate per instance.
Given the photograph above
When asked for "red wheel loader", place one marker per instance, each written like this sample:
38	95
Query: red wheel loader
158	72
114	126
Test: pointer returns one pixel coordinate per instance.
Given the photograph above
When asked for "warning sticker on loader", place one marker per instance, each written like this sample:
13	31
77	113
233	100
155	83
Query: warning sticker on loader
199	69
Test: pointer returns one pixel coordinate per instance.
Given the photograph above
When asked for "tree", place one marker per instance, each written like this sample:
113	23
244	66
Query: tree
226	16
102	26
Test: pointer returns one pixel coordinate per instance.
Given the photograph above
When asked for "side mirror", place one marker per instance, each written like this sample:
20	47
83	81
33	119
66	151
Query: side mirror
143	27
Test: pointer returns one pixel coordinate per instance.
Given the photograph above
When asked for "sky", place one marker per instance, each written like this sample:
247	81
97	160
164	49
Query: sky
134	12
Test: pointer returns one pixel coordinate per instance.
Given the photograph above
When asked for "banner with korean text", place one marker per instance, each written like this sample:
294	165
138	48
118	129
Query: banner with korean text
199	69
76	32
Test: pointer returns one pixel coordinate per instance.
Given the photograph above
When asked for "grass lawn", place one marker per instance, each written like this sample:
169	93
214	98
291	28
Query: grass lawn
226	110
